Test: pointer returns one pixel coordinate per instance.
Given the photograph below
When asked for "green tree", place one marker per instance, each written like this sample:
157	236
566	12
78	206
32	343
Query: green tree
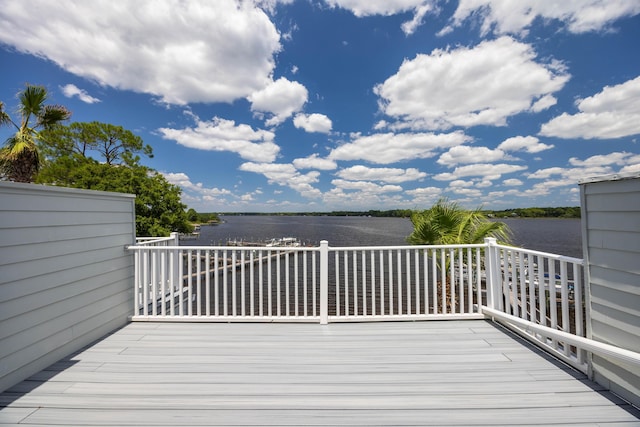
20	157
113	143
192	215
69	163
446	223
159	210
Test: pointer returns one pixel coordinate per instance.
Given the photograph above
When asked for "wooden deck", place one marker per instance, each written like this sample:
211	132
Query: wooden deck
366	374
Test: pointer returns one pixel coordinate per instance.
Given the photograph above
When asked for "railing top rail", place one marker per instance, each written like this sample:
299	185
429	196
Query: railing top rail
228	248
152	240
544	254
400	247
309	248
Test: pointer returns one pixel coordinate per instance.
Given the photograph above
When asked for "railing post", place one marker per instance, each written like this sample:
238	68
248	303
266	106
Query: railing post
174	260
176	238
324	282
491	266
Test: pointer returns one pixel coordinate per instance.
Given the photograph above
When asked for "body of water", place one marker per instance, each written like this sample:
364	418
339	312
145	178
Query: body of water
559	236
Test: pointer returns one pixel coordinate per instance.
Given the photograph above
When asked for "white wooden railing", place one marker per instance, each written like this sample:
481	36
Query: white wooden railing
539	295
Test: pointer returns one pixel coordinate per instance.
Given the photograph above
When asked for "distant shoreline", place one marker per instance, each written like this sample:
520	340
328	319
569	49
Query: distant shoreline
535	212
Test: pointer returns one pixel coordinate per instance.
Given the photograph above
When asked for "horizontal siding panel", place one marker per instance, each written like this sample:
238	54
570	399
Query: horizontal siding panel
65	263
71	312
615	260
624	381
29	286
613	202
37	235
65	275
42	354
22	219
608	329
617	240
17	254
612	187
45	301
62	201
613	221
616	297
622	281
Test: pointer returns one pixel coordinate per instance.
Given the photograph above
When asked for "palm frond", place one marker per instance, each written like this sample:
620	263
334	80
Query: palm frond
32	100
51	115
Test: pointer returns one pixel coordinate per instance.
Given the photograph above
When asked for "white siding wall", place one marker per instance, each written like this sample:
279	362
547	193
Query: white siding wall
65	276
611	235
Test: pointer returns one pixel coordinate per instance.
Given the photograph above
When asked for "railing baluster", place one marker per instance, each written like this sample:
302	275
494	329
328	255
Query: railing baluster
354	296
347	312
399	278
314	284
390	282
425	284
190	284
295	284
252	283
287	300
225	285
373	283
382	304
216	283
408	275
416	262
261	283
364	283
337	284
278	285
207	284
564	295
243	298
578	307
434	280
198	282
234	282
553	303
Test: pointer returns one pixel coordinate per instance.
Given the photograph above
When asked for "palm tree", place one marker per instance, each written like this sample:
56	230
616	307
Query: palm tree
446	223
20	157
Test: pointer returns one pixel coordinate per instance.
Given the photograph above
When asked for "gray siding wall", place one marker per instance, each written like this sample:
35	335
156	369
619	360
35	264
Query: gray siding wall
65	276
611	235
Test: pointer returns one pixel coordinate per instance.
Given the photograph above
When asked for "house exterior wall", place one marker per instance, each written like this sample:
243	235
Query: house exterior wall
611	242
65	276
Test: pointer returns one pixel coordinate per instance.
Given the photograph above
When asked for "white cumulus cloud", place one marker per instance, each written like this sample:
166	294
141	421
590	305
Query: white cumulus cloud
313	122
286	175
280	99
389	175
179	51
485	170
362	8
612	113
515	17
385	148
314	162
72	90
467	154
529	144
482	85
224	135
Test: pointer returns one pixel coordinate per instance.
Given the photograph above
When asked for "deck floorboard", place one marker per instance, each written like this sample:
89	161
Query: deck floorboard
470	373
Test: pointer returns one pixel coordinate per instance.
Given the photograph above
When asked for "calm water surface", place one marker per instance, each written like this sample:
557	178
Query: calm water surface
559	236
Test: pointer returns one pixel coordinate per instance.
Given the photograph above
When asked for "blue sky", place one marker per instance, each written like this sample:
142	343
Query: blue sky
320	105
